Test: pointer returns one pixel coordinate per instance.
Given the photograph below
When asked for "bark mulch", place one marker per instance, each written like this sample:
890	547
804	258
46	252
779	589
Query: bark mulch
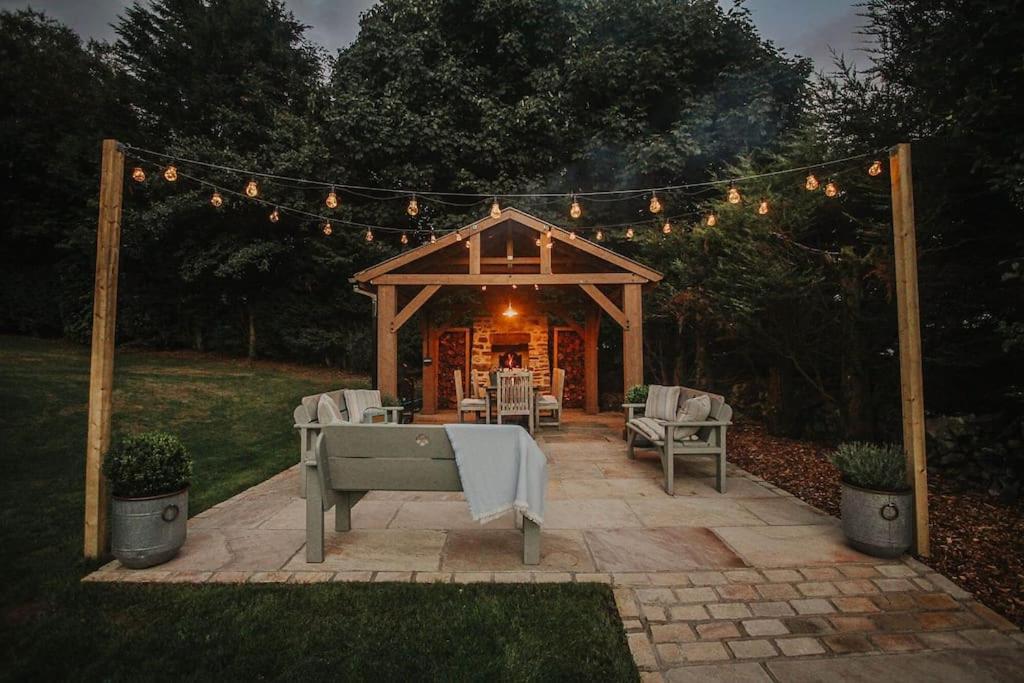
975	540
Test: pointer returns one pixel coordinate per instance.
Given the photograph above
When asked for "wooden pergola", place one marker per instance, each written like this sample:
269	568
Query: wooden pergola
512	249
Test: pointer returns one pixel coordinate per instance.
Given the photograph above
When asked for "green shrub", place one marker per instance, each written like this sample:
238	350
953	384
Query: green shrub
150	464
881	467
637	394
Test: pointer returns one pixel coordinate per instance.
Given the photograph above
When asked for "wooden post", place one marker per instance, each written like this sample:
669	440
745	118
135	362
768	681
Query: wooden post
474	254
591	332
632	337
909	317
387	341
430	371
101	369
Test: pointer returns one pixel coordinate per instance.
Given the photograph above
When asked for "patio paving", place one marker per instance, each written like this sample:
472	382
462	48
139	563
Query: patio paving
748	585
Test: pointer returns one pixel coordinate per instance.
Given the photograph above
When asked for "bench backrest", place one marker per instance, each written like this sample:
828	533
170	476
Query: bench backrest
720	410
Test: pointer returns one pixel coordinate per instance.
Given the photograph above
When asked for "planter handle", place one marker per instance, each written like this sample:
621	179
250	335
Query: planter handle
889	512
171	512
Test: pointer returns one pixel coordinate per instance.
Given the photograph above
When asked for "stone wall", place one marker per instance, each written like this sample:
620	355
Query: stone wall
538	359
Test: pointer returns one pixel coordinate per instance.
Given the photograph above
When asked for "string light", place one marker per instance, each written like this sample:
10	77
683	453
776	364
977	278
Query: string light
655	205
831	189
138	175
404	239
216	200
369	235
711	221
458	236
170	174
483	288
252	190
811	184
629	233
469	245
433	237
666	229
510	312
413	208
332	199
537	241
515	286
733	195
875	169
327	229
762	208
274	216
572	235
575	210
536	287
600	235
495	209
551	242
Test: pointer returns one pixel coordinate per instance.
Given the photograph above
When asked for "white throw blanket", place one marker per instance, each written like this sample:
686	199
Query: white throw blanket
502	468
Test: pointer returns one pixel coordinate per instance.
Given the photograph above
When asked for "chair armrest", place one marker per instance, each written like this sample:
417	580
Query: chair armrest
633	405
392	413
306	425
631	408
698	423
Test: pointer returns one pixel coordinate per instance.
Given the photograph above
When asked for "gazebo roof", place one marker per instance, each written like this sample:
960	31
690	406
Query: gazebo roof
615	267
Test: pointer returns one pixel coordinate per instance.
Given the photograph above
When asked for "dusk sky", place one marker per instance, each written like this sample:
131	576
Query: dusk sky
803	27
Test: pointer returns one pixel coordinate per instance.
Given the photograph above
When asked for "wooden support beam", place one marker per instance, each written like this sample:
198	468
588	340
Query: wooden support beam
592	330
609	307
410	308
632	337
545	253
101	369
429	371
387	341
474	254
508	279
909	320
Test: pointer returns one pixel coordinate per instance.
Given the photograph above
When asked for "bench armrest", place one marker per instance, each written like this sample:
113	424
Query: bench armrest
698	423
633	405
631	409
392	414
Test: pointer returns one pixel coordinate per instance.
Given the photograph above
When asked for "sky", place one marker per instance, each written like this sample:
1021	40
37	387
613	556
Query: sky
802	27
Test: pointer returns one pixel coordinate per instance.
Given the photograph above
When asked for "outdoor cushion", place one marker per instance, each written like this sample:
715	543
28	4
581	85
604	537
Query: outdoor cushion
654	430
694	409
327	411
358	400
471	402
547	399
661	402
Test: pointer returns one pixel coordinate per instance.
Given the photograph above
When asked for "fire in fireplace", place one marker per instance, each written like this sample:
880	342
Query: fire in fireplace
508	350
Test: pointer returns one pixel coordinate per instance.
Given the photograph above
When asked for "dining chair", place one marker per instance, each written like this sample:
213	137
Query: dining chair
552	402
515	396
467	405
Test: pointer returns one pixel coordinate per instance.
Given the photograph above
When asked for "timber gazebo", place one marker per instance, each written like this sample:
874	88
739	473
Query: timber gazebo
505	258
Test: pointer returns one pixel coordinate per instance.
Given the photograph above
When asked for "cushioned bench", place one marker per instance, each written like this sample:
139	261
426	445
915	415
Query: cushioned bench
350	460
648	425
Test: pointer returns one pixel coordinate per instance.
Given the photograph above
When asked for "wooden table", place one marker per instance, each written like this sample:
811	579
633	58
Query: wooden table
492	397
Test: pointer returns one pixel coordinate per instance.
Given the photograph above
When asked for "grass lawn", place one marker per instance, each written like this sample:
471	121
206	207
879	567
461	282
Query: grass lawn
236	420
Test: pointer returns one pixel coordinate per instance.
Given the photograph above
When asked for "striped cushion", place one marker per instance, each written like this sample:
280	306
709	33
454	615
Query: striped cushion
358	400
661	402
694	409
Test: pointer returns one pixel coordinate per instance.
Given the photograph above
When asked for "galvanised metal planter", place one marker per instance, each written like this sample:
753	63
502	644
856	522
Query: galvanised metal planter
148	531
879	523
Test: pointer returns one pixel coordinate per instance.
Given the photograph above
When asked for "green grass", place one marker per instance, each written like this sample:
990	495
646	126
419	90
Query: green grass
236	420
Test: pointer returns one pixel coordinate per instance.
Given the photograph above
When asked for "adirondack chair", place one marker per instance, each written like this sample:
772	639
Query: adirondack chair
673	438
515	395
467	405
350	460
552	402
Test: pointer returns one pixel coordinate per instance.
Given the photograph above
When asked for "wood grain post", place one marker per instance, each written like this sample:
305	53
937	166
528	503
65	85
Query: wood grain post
429	371
101	368
387	341
909	319
591	333
632	337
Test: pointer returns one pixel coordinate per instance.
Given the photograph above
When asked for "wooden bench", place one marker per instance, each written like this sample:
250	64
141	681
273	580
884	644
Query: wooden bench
708	441
350	460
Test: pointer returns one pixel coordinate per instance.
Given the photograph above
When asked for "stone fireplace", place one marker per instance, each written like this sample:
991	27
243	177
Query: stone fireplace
521	341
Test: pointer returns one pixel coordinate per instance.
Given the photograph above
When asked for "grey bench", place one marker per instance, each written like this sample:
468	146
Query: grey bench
708	441
350	460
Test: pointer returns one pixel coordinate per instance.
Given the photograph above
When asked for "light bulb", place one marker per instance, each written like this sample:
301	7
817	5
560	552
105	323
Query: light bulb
458	236
404	239
413	208
328	229
667	228
369	235
483	288
811	184
629	233
831	189
734	195
138	175
537	241
536	287
575	210
216	200
433	237
551	242
762	208
170	174
875	168
599	235
515	286
252	190
495	209
469	245
274	216
655	206
332	199
572	235
711	220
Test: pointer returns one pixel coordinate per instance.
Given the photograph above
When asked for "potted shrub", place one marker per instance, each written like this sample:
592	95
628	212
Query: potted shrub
149	477
877	504
637	394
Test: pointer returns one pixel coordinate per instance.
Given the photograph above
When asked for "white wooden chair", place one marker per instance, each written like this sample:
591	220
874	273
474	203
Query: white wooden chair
515	395
552	402
467	405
